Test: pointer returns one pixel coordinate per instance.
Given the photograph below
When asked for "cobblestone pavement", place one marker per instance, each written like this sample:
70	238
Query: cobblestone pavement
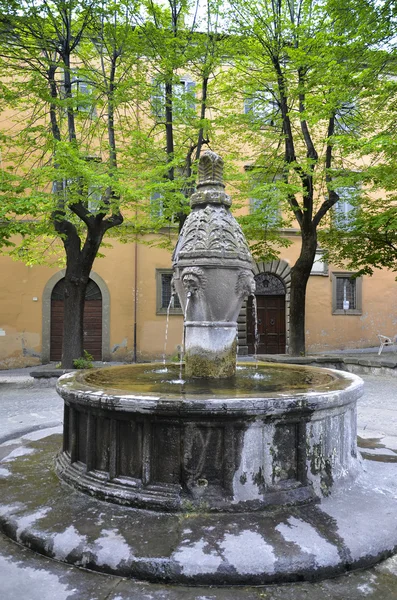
26	405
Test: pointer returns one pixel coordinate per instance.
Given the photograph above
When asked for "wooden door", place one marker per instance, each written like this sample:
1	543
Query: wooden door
92	321
271	325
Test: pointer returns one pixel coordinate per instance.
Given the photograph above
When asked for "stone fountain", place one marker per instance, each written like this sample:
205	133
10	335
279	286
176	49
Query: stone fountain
225	476
212	275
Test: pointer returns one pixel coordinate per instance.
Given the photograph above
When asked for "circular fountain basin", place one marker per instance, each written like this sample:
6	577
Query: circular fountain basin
142	436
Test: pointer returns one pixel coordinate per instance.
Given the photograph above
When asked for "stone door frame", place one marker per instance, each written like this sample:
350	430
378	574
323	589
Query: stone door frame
46	315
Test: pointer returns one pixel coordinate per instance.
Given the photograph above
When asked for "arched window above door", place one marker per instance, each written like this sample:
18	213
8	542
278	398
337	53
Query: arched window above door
92	292
268	284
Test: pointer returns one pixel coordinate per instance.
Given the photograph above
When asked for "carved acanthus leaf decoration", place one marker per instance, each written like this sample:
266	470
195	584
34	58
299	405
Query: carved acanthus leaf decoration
210	170
213	229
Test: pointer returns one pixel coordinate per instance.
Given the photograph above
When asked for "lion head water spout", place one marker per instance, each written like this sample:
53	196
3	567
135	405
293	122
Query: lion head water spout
212	275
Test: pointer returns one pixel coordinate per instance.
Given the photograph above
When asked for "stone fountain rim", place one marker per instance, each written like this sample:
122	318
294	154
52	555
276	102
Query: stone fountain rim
72	388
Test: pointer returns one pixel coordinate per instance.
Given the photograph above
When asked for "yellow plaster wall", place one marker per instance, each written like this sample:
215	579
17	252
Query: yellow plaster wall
151	327
20	314
379	314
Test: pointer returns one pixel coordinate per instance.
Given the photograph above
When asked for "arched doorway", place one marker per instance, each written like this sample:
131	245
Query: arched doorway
270	298
92	321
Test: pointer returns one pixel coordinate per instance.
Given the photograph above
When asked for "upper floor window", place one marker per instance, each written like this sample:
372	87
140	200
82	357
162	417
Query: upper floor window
346	118
269	210
74	190
263	107
320	266
183	97
82	93
345	209
94	198
265	195
156	205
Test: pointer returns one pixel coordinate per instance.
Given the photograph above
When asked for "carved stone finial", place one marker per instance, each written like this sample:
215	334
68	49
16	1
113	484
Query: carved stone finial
210	187
210	170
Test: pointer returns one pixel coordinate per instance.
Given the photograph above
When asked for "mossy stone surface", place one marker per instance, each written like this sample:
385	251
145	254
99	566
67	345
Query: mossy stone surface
211	365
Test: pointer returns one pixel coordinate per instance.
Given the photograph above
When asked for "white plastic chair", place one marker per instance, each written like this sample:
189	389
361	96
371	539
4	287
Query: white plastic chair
386	341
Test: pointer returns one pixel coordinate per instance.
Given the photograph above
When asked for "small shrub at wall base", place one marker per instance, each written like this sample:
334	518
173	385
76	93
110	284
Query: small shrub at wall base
84	362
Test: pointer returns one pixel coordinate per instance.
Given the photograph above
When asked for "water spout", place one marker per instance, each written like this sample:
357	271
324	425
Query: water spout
213	269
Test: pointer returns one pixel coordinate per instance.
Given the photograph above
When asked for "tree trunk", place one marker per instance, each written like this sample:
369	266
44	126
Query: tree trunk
300	273
73	332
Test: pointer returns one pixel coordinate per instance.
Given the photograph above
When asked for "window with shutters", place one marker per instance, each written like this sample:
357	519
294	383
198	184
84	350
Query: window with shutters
346	294
164	293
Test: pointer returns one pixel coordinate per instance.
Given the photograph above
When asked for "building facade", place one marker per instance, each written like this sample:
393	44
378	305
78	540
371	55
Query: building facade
129	294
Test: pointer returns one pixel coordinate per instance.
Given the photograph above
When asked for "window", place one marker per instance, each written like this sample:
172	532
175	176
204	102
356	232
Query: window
346	118
183	97
346	294
262	106
159	209
70	189
156	205
269	209
163	293
320	266
344	209
94	199
82	93
74	191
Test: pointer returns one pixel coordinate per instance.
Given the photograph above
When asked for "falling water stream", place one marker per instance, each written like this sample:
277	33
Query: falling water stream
170	305
182	353
256	335
236	344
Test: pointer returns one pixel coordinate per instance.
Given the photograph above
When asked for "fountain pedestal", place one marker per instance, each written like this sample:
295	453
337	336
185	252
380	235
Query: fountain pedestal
212	275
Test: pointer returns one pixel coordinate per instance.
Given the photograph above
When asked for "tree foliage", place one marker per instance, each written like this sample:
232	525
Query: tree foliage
308	71
78	82
368	239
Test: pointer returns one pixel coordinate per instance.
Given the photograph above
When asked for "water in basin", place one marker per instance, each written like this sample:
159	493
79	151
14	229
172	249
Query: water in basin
249	381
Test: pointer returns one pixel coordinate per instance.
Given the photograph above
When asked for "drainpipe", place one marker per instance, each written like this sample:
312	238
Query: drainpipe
135	298
136	247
